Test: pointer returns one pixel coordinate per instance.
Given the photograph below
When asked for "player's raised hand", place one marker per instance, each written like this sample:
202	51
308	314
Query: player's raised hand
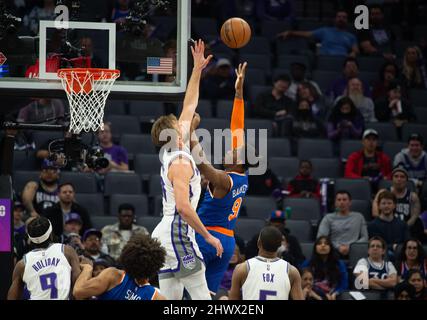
195	122
198	51
240	74
214	242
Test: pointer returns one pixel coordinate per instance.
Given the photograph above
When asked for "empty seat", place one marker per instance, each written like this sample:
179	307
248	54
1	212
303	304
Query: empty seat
259	124
280	147
115	107
204	26
21	178
325	78
301	229
358	250
362	206
100	222
25	160
257	45
256	62
149	222
368	76
155	185
254	91
158	205
359	189
211	124
410	128
124	183
270	29
314	148
256	77
347	147
124	124
326	168
292	45
303	209
258	207
147	164
82	182
285	61
153	109
391	148
224	108
139	201
418	97
204	109
92	202
137	143
330	63
248	228
369	63
421	114
41	138
386	130
307	249
284	167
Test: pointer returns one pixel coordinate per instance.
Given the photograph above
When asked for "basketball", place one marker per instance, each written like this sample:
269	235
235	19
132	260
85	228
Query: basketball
235	33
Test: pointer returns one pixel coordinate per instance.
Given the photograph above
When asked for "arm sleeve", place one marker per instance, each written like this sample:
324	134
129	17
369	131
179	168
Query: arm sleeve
364	231
323	227
343	285
237	124
350	168
318	34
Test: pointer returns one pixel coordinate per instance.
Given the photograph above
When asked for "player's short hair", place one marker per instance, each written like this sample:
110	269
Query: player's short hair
270	238
162	123
142	257
386	194
38	227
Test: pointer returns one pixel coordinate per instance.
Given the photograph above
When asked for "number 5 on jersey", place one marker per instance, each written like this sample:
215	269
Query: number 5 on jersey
235	209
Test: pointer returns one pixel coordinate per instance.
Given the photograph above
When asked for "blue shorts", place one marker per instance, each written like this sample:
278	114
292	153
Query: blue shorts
216	266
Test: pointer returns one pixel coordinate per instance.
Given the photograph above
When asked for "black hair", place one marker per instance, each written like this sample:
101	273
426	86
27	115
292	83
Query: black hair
378	238
328	269
336	114
416	137
126	206
385	65
270	238
343	192
305	161
283	77
404	286
411	272
420	250
38	227
66	184
350	59
142	257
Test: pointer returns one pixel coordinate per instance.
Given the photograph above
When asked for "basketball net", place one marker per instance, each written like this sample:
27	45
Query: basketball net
87	91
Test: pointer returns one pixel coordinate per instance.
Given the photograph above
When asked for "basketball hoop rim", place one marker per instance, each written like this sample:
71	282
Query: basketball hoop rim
96	72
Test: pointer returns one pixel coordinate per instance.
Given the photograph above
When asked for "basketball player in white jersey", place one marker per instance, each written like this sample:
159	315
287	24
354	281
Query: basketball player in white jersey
266	277
49	271
180	179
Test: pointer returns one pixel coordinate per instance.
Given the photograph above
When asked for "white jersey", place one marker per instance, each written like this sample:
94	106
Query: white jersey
267	279
47	273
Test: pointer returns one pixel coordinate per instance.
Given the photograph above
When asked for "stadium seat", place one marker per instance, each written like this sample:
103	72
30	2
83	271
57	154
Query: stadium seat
362	206
270	29
325	78
359	189
303	209
358	250
292	45
410	128
124	124
149	222
20	179
421	114
224	109
368	76
256	62
137	143
314	148
259	124
204	108
300	229
140	202
93	202
386	130
391	148
258	207
257	45
123	183
279	147
116	107
83	182
211	124
285	61
347	147
204	26
307	249
153	109
256	77
25	160
326	168
254	91
330	63
158	205
370	63
100	222
147	164
284	167
155	186
418	97
388	183
41	138
248	228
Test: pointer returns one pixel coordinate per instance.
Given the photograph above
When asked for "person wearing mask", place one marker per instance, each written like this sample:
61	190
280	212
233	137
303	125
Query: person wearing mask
304	124
345	121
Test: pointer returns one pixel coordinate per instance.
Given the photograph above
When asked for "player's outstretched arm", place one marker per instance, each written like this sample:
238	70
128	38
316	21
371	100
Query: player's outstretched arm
17	287
295	279
191	98
239	276
86	286
180	173
237	124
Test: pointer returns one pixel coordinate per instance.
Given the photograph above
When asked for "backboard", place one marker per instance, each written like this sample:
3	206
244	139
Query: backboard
147	40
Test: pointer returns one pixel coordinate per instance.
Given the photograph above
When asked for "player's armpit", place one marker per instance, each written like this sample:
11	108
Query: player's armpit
295	279
237	281
17	287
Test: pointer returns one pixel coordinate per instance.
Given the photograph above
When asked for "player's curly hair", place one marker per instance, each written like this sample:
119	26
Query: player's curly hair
142	257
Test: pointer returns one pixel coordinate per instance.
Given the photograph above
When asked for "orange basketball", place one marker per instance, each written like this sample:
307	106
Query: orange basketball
235	33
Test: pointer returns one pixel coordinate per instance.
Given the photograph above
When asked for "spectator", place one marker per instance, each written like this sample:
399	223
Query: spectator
263	185
99	265
408	206
343	227
350	71
292	247
19	230
378	39
40	110
117	155
345	121
404	291
219	83
39	196
336	41
274	104
394	108
47	12
72	225
414	69
75	241
236	258
120	11
86	44
307	90
57	213
416	279
274	10
310	291
304	185
116	236
389	73
364	104
92	246
298	76
368	163
411	256
393	230
330	273
382	274
304	124
413	159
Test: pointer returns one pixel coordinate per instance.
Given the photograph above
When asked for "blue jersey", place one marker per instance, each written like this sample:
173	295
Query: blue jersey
224	212
128	289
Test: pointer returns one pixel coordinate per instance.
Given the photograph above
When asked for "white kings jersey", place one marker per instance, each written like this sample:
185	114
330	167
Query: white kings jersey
267	279
47	273
169	208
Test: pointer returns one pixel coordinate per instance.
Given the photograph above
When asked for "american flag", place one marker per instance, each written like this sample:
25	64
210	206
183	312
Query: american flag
157	65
